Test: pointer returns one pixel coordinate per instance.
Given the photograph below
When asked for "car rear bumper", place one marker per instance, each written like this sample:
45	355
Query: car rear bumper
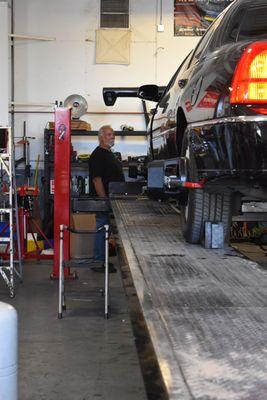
230	147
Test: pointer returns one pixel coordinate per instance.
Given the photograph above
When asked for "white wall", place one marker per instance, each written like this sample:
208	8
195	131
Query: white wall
46	71
4	64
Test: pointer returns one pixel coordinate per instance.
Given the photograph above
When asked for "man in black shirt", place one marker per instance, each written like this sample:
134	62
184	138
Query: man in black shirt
104	168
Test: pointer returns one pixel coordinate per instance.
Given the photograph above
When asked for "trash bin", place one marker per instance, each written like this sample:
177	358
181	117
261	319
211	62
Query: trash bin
8	352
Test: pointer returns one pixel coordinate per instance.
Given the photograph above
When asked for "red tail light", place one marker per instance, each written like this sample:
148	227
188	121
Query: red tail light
249	85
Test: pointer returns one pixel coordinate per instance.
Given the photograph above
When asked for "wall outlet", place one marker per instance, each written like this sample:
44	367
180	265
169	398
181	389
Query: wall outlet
160	28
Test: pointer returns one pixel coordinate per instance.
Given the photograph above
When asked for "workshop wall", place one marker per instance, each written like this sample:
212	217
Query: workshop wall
51	70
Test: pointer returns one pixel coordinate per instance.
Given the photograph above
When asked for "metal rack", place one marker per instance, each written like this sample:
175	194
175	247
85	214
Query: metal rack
81	264
9	209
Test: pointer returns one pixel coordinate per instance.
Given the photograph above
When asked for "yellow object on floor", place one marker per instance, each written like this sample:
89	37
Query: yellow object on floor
31	246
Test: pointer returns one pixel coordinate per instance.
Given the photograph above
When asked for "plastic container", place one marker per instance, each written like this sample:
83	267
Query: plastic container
8	352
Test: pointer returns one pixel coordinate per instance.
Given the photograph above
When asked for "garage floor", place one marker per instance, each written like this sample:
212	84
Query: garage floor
83	356
206	310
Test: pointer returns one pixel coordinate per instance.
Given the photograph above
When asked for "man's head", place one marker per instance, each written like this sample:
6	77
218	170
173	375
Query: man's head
106	136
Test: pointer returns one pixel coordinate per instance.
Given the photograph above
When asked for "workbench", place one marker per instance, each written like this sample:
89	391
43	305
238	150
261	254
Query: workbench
205	309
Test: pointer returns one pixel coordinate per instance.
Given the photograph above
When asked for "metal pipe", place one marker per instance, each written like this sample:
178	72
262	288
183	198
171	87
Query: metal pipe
106	271
32	37
4	66
27	104
87	113
61	272
12	68
12	90
11	218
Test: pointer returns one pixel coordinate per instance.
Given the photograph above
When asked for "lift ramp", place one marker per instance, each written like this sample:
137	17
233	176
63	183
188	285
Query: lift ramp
206	310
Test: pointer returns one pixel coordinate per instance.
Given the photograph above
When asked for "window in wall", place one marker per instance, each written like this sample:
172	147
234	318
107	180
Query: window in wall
114	14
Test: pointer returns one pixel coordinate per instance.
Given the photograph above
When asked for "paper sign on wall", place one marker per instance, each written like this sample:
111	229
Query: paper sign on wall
113	46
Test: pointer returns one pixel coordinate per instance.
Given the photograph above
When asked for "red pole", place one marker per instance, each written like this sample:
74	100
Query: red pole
62	170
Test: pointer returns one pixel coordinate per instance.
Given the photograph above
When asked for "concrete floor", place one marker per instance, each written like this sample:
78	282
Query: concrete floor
83	356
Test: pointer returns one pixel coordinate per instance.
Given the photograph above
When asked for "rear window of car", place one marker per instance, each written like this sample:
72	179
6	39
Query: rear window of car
253	24
204	42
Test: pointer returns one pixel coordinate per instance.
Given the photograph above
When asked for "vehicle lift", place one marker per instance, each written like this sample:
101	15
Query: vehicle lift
62	209
62	190
62	173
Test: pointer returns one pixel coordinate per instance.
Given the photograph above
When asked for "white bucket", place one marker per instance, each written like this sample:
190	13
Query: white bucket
8	352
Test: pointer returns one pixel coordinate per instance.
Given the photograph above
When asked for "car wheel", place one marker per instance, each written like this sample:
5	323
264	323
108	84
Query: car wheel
203	206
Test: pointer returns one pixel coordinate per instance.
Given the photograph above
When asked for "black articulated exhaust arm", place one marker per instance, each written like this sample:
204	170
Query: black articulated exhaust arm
111	94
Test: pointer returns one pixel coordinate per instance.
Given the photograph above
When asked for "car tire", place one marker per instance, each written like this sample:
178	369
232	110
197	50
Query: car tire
204	206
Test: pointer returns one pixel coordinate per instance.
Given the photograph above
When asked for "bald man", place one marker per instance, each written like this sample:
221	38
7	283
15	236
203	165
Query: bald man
104	168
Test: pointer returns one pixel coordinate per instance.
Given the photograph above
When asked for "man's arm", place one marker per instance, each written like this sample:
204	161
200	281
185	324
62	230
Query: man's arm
99	187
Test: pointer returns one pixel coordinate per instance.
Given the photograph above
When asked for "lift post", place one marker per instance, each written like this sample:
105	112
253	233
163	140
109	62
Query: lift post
62	171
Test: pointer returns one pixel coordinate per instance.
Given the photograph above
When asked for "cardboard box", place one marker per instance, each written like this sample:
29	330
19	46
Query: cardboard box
82	245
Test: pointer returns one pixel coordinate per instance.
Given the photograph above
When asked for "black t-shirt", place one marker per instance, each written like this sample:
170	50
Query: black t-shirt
105	165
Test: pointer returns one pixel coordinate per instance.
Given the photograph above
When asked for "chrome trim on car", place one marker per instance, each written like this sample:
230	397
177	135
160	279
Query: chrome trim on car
228	120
